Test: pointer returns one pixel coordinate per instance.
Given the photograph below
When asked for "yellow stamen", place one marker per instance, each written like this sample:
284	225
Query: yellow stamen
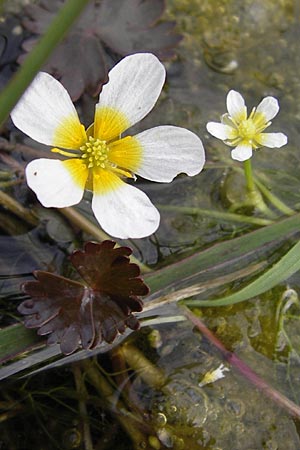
64	153
247	129
123	173
95	153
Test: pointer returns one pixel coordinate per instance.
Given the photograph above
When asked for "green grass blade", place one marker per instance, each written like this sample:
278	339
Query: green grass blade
34	61
221	252
283	269
235	253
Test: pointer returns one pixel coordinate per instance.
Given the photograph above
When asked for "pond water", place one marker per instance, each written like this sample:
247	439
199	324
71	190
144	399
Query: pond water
149	392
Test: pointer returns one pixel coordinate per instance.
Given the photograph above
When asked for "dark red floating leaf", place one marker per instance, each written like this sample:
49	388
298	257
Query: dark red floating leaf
123	26
74	313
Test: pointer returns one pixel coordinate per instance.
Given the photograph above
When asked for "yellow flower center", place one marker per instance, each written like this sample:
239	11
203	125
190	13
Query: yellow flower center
247	129
95	153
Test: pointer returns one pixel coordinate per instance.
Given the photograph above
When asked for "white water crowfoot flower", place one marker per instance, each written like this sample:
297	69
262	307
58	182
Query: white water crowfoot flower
98	158
245	133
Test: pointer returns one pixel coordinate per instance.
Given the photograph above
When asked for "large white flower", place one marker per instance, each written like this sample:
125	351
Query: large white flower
245	134
98	158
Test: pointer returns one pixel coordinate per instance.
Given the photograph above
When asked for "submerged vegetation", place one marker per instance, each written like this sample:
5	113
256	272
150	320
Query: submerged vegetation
207	357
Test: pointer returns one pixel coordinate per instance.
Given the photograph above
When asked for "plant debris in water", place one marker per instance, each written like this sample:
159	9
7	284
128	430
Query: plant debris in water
11	37
86	313
123	26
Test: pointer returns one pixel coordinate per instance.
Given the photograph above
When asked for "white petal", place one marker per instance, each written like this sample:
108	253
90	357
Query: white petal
269	107
134	86
221	131
227	120
125	212
242	152
236	106
53	183
272	140
43	108
168	151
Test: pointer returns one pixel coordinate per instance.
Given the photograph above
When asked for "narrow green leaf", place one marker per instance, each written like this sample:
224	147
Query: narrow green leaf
234	254
283	269
222	252
16	339
39	55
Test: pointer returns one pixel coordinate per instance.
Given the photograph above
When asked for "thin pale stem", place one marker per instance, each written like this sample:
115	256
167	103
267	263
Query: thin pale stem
274	199
15	207
39	55
86	225
243	368
148	372
129	422
82	393
230	217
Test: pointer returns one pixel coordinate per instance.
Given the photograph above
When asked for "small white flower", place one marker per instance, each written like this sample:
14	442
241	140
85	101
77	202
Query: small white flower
245	134
213	375
98	158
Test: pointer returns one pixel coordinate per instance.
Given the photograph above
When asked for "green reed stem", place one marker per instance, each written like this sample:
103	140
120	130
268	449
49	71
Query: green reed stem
34	61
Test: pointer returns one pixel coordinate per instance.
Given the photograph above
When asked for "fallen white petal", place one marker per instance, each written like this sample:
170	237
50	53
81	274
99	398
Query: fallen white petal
168	151
53	183
269	107
236	106
125	212
42	109
272	140
214	375
242	152
221	131
134	86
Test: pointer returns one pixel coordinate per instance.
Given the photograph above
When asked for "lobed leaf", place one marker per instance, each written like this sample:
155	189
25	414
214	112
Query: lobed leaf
76	314
82	60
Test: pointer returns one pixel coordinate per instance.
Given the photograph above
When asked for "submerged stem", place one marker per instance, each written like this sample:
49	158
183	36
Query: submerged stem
130	423
274	199
16	208
230	217
86	225
82	393
243	368
148	372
